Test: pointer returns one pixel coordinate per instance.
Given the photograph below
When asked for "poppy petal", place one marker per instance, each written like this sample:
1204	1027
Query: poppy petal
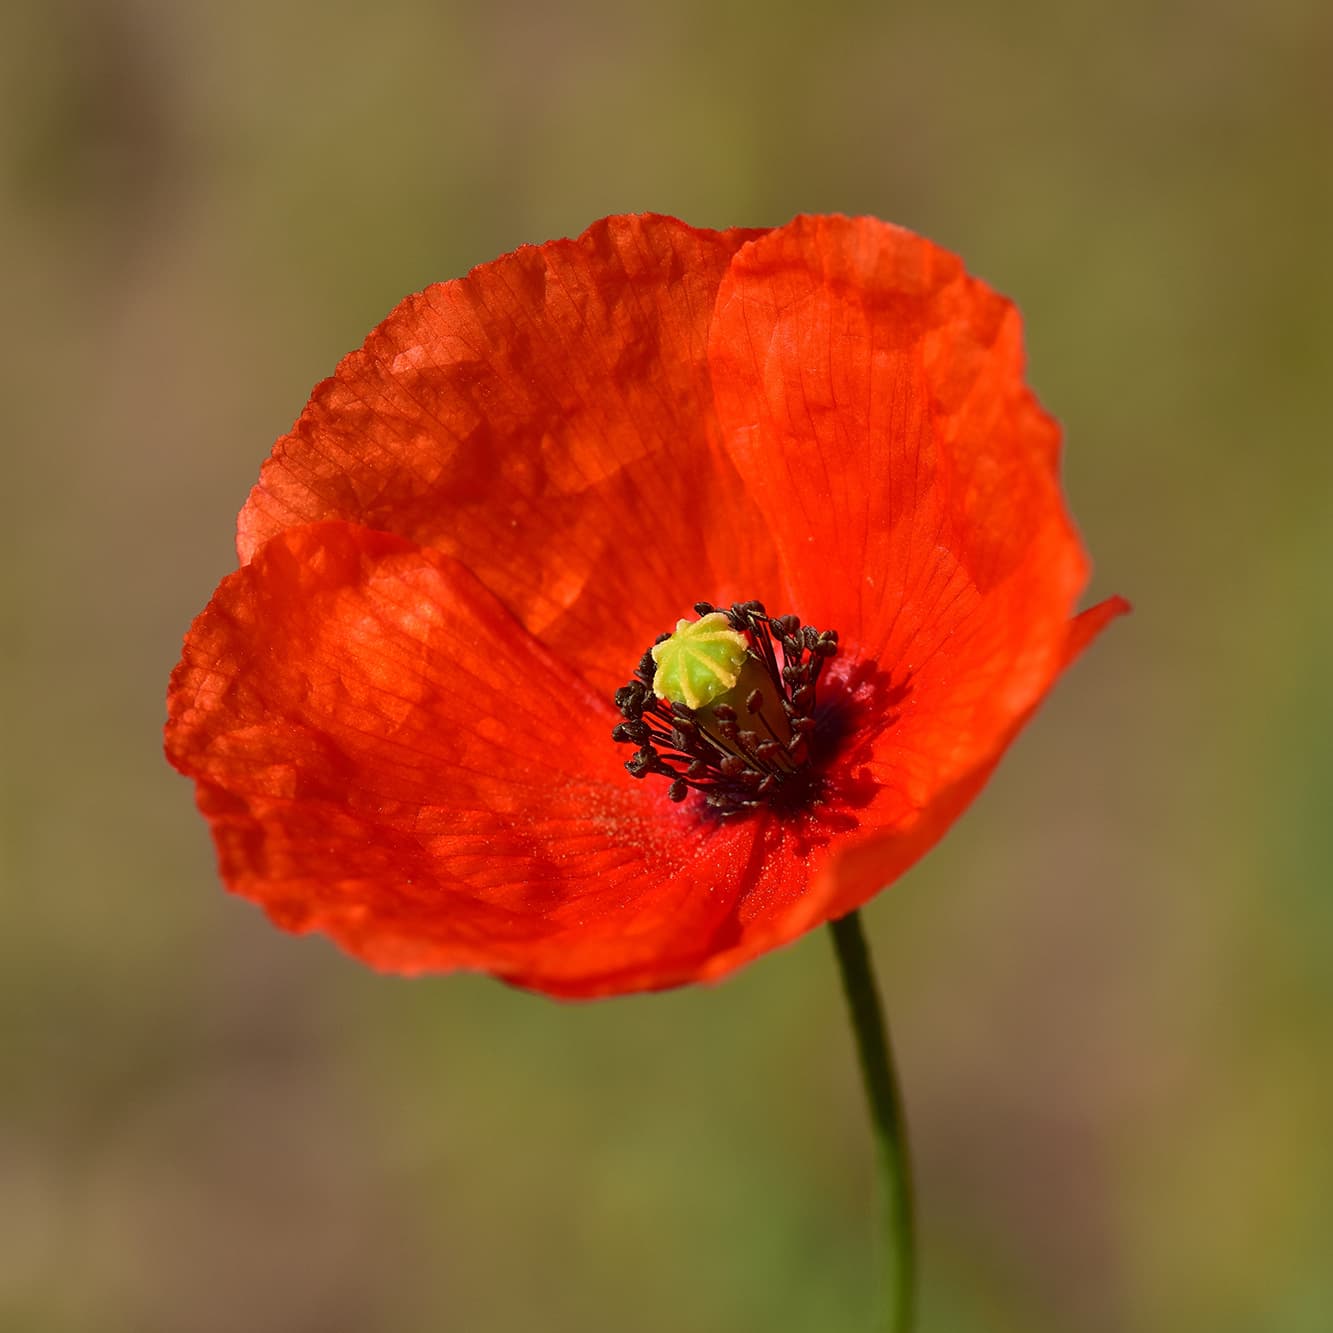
386	755
1087	625
548	421
872	397
896	827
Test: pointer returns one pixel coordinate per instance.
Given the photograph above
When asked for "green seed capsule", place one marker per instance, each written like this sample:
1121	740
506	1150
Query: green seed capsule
699	662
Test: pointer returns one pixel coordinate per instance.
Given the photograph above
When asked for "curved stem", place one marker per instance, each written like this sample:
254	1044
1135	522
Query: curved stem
886	1118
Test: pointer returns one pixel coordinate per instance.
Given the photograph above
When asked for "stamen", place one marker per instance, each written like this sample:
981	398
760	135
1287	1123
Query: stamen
712	709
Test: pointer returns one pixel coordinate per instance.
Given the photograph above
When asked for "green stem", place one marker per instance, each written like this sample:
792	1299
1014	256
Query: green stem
886	1118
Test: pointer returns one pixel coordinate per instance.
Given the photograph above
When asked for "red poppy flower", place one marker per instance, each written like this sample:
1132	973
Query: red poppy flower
398	711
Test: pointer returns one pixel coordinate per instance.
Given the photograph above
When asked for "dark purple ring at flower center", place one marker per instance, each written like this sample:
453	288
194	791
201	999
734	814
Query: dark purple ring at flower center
751	745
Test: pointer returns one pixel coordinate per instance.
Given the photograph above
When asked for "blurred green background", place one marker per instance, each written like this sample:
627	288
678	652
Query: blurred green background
1111	986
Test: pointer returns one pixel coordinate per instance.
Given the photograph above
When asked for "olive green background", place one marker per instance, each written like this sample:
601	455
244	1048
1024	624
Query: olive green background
1110	987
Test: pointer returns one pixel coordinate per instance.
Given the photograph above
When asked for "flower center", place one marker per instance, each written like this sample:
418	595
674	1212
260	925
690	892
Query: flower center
725	705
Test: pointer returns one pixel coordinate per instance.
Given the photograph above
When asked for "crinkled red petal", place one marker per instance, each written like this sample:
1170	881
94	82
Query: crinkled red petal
872	397
387	756
908	808
548	421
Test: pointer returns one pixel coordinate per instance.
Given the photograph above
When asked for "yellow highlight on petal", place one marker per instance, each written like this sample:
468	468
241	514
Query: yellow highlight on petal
699	662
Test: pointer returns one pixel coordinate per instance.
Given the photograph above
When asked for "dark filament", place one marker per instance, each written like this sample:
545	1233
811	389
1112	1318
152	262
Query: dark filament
732	755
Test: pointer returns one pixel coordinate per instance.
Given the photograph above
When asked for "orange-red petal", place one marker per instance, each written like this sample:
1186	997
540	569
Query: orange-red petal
872	397
386	755
913	799
548	421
